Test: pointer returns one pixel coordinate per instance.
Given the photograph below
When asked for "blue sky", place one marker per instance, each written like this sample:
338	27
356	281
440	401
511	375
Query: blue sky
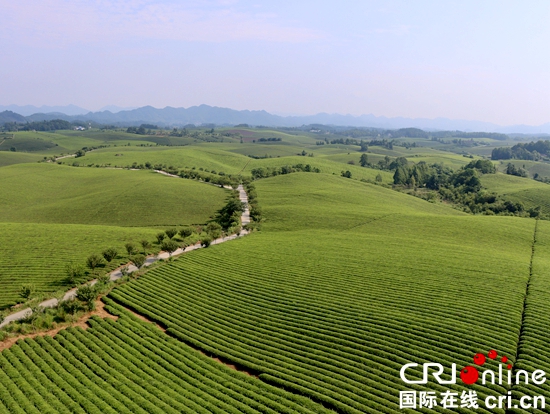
487	60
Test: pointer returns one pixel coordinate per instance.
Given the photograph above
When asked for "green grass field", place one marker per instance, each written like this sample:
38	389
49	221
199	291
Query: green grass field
49	193
333	312
10	158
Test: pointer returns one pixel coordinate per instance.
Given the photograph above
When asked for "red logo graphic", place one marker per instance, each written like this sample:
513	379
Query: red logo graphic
469	374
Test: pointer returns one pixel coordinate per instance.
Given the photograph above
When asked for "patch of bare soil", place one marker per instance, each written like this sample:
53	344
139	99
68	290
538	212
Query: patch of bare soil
81	322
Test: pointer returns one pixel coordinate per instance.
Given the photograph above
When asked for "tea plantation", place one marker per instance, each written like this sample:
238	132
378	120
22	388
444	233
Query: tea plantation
333	313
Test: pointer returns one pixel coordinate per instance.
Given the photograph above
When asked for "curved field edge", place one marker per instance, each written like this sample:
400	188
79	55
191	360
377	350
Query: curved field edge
102	370
49	193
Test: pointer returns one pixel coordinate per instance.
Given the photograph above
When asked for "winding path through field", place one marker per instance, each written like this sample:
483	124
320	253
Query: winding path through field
117	274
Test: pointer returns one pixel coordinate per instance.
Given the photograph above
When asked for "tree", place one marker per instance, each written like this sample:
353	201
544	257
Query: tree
186	232
379	178
87	294
214	230
109	254
205	242
364	146
26	290
74	271
171	233
130	248
70	306
364	161
169	246
138	260
80	153
401	176
346	174
160	237
94	261
145	244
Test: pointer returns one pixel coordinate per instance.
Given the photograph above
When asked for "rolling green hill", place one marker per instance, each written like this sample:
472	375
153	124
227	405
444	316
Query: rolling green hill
46	193
10	158
318	201
207	156
525	190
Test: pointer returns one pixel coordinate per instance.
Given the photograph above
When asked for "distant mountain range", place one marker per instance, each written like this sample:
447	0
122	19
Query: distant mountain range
205	114
27	110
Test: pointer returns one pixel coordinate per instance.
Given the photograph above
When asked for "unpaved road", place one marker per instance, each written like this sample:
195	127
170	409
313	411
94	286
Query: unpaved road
117	274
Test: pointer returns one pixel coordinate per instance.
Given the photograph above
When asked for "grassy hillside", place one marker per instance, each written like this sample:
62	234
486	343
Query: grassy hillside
526	190
324	165
38	253
533	167
10	158
333	312
319	201
46	193
207	156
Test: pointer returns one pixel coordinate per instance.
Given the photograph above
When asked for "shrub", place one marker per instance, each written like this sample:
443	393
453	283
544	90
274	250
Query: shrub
171	233
186	232
94	261
130	248
214	230
86	294
145	244
109	254
74	271
169	246
160	237
26	290
138	260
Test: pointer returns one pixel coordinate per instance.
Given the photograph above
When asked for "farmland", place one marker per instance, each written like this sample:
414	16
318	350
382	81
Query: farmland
52	215
527	191
58	194
102	370
37	253
333	313
346	281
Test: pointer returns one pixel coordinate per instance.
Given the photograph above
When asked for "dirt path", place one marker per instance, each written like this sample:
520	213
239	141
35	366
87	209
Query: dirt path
81	322
117	274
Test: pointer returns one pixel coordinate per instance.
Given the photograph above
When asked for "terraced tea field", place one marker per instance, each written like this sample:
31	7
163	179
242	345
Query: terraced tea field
533	352
47	193
525	190
10	158
334	313
128	367
37	253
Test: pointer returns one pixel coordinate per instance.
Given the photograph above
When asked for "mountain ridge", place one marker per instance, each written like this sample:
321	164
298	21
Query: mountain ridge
206	114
